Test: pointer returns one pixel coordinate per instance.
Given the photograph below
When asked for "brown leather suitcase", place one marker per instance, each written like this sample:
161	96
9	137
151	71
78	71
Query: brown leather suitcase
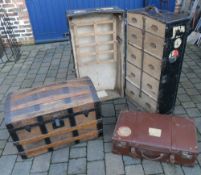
156	137
42	119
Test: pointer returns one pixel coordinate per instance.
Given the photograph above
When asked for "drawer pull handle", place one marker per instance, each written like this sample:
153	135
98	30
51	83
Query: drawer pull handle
151	66
134	36
133	56
154	28
148	105
132	93
153	45
134	20
132	74
149	86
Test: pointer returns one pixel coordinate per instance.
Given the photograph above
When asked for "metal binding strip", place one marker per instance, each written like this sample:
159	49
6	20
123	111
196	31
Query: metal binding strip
93	91
48	121
44	130
73	123
15	138
97	107
98	117
142	60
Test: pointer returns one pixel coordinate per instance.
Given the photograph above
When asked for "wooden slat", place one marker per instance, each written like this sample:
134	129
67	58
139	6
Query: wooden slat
44	151
72	83
114	36
97	43
95	62
15	98
96	40
91	23
94	34
76	41
59	143
94	53
51	98
85	35
53	107
57	132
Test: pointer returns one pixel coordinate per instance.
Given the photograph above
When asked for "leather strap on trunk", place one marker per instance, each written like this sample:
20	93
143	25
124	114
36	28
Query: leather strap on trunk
142	58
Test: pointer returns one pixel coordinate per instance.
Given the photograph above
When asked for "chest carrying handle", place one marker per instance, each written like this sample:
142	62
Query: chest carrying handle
152	9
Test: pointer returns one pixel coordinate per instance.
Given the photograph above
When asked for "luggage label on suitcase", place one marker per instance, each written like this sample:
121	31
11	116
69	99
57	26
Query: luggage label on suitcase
156	137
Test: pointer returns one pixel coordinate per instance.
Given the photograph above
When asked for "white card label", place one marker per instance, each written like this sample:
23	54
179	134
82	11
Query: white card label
176	29
155	132
102	94
124	131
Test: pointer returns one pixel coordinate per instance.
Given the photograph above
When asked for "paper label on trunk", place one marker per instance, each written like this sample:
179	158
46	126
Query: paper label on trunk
155	132
102	94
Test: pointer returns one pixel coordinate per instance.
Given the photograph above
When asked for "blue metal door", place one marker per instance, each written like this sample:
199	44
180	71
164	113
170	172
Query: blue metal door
48	16
47	19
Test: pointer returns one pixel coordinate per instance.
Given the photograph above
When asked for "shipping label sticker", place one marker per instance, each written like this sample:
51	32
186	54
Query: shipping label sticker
124	131
178	31
173	56
102	94
177	43
155	132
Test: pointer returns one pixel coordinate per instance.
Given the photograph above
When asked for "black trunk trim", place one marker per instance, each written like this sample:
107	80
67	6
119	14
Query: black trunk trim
44	130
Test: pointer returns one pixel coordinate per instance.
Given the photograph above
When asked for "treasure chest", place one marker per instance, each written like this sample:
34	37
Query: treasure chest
139	56
42	119
156	137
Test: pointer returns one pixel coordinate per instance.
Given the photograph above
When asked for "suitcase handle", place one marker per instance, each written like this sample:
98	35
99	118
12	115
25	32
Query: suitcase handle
136	154
151	158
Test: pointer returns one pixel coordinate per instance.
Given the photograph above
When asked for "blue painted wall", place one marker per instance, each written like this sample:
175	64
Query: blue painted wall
48	16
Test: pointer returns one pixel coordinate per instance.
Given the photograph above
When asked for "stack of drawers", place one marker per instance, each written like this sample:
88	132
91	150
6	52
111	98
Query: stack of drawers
145	44
155	46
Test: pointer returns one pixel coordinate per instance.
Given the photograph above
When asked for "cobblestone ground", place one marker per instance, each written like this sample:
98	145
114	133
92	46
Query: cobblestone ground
47	63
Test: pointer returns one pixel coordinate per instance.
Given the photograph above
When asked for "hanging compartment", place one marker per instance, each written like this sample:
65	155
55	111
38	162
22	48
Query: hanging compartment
155	45
97	38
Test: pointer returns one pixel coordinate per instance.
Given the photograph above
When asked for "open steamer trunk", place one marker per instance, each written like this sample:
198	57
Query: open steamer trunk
97	38
155	45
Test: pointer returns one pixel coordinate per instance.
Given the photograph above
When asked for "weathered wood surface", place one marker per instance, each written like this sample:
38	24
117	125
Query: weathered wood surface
57	132
144	59
98	44
45	118
49	99
144	100
44	148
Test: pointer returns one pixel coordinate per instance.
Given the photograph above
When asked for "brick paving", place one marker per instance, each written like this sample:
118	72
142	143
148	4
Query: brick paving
43	64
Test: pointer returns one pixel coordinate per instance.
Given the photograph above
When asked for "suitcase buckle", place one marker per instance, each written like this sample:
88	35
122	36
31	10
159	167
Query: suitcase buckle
122	144
186	155
172	159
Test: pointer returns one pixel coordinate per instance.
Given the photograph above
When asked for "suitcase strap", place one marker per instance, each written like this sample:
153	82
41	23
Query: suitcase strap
142	154
142	57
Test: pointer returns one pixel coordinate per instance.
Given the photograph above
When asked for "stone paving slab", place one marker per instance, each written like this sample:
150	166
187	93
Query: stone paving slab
49	63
